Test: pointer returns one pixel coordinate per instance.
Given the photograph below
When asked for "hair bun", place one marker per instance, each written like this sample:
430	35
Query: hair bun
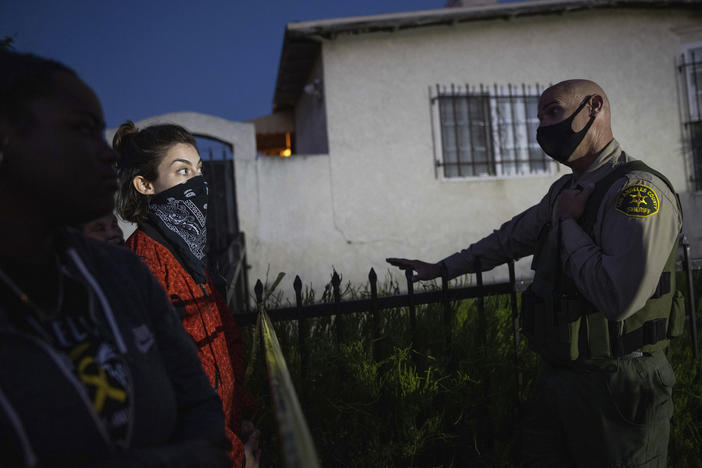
123	135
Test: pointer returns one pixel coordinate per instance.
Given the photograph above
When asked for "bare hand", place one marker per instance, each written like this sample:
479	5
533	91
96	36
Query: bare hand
424	270
571	202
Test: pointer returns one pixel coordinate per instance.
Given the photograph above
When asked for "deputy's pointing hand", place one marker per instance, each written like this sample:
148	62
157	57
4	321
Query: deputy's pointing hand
423	270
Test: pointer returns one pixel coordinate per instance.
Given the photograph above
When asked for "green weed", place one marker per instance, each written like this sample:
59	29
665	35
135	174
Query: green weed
441	395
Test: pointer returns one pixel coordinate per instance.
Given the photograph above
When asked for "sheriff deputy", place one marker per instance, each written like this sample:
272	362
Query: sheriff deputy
603	303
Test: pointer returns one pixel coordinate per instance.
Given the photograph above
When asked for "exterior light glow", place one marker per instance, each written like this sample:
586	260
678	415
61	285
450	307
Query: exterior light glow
287	152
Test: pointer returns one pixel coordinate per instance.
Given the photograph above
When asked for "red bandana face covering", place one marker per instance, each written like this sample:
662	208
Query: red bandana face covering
180	215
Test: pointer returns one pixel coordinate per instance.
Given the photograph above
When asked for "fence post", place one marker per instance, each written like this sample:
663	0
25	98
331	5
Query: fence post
517	409
336	282
692	313
515	323
245	273
410	303
301	337
481	303
258	343
375	342
484	413
258	289
447	310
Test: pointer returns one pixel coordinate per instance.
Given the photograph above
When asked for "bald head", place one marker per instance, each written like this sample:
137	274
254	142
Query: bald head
562	100
575	91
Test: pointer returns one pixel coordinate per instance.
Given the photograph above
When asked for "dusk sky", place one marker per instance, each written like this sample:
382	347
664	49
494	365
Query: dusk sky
145	58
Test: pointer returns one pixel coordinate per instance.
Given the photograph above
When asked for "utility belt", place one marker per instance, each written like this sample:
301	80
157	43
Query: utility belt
566	327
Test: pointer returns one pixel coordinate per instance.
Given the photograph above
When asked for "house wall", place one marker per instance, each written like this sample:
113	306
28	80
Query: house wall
386	198
286	214
376	195
311	118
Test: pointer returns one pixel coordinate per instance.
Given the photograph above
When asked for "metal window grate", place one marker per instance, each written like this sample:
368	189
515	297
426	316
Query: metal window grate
488	130
690	69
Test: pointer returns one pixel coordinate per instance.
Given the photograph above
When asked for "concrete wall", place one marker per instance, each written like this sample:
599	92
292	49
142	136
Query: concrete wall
286	211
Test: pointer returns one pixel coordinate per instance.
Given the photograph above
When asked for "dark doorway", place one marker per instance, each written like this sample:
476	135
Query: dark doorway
227	249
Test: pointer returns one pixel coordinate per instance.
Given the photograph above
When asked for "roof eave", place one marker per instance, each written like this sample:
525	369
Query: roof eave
329	28
306	33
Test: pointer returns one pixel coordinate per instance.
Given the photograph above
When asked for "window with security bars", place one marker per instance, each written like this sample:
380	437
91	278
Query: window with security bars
487	131
690	69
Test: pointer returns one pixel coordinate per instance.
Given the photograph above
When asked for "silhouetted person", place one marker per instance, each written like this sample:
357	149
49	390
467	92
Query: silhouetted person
95	367
105	229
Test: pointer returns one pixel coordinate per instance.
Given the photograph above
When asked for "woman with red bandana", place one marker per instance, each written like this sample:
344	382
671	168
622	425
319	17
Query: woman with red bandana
164	192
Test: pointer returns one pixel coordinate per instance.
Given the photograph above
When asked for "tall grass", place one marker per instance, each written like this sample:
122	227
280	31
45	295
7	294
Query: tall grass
445	397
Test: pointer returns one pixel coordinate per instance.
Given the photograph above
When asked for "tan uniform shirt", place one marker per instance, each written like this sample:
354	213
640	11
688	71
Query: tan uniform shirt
618	268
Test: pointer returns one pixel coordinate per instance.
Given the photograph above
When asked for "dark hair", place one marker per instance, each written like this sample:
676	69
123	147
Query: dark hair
23	78
141	151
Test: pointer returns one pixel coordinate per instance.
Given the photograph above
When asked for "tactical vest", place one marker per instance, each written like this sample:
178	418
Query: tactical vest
567	327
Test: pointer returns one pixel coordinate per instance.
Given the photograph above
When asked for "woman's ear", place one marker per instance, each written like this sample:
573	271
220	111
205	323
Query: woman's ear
143	186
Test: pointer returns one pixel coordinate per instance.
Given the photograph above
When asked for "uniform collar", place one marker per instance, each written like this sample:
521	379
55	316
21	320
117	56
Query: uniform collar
607	158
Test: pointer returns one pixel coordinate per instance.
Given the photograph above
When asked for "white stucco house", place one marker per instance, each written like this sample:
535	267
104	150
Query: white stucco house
413	134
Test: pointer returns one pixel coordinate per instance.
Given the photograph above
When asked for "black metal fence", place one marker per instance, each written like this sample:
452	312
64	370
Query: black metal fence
444	296
408	304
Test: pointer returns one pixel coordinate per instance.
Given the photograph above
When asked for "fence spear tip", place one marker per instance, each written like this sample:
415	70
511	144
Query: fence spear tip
258	289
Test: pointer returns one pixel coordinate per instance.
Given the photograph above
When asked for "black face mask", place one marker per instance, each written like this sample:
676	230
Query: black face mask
559	140
180	214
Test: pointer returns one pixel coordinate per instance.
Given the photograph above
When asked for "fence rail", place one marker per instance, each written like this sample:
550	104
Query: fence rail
445	296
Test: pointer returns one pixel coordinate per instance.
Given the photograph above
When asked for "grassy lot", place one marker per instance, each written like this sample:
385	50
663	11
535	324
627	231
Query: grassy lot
438	402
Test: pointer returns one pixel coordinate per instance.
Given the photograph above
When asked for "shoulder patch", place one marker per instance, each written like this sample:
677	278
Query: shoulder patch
637	201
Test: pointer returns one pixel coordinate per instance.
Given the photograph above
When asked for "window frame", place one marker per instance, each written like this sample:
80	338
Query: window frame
694	106
518	134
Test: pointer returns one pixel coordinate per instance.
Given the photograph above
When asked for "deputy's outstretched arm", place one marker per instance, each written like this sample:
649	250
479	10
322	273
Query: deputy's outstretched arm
423	270
517	238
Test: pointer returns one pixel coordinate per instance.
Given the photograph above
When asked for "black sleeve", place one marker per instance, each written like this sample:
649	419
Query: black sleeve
199	438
